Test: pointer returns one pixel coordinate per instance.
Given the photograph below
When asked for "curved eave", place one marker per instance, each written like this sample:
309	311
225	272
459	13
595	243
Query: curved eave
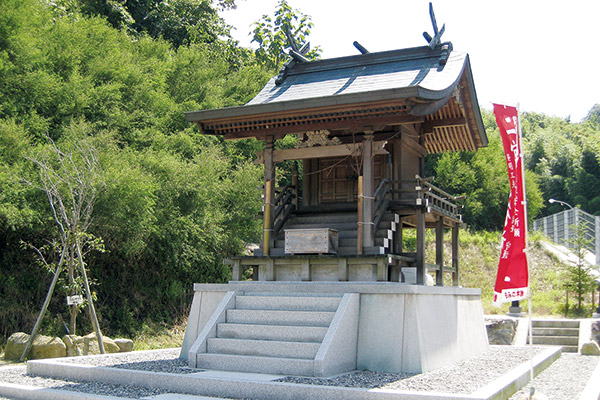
254	110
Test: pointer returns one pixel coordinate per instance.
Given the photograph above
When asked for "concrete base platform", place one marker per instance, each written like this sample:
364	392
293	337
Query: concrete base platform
213	384
399	327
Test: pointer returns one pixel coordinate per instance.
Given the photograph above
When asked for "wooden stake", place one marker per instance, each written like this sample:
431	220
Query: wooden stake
40	317
88	294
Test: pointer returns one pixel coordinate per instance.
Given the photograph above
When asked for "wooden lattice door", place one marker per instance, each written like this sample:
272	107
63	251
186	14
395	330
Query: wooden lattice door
338	179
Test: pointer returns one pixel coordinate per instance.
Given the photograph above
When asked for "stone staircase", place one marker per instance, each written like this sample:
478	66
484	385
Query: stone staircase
283	334
344	220
563	333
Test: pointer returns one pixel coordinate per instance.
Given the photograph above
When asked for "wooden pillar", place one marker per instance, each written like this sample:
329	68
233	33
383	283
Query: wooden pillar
269	195
315	182
368	189
306	179
439	251
421	270
455	263
360	217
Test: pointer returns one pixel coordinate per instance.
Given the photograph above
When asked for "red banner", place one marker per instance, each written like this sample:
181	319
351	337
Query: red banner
512	282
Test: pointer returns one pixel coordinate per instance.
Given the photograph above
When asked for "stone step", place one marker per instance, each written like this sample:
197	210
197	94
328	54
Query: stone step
570	349
291	303
263	348
272	332
556	332
555	323
280	317
297	294
255	364
556	340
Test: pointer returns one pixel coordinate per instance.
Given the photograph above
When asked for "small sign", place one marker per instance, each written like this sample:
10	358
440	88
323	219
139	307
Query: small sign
73	300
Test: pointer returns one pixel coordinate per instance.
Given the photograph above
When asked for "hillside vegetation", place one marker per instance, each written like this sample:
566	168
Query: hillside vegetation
479	263
172	203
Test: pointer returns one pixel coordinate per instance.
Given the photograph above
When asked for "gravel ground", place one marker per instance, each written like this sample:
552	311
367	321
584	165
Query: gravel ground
562	380
158	361
565	379
474	373
19	376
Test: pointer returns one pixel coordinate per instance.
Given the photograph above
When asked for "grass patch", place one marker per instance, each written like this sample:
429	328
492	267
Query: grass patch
479	254
159	336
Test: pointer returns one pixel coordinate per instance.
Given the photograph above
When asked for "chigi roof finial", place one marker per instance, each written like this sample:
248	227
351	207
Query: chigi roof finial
297	54
436	40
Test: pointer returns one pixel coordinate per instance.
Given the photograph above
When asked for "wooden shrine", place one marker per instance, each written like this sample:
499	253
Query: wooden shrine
365	124
325	296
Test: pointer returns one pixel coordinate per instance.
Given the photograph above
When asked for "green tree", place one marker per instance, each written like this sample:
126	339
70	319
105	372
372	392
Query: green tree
270	35
578	280
180	22
483	178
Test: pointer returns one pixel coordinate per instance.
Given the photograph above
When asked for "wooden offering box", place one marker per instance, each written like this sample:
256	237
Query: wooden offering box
311	241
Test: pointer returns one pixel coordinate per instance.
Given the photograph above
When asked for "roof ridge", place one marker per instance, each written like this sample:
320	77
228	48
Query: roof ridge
353	61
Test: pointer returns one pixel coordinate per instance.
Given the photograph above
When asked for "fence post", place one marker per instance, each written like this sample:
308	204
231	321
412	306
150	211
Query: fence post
597	243
567	230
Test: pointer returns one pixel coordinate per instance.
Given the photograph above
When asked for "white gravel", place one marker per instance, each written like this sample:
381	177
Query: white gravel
565	378
19	376
157	361
462	377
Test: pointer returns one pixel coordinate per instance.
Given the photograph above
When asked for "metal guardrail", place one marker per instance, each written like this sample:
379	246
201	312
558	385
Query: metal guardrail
559	228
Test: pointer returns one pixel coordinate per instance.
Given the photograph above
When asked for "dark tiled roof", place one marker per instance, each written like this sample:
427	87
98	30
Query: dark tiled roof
397	74
410	72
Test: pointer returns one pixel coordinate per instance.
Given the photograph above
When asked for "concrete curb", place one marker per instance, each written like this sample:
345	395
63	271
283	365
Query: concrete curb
592	389
219	387
505	386
15	391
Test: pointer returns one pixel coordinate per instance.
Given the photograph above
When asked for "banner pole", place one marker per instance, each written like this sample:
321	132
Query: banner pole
529	305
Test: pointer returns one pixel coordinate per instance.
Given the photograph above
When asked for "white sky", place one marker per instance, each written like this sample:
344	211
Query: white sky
544	55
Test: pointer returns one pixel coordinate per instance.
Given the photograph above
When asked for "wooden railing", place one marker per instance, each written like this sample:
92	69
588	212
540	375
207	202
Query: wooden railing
417	192
283	205
382	197
438	200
